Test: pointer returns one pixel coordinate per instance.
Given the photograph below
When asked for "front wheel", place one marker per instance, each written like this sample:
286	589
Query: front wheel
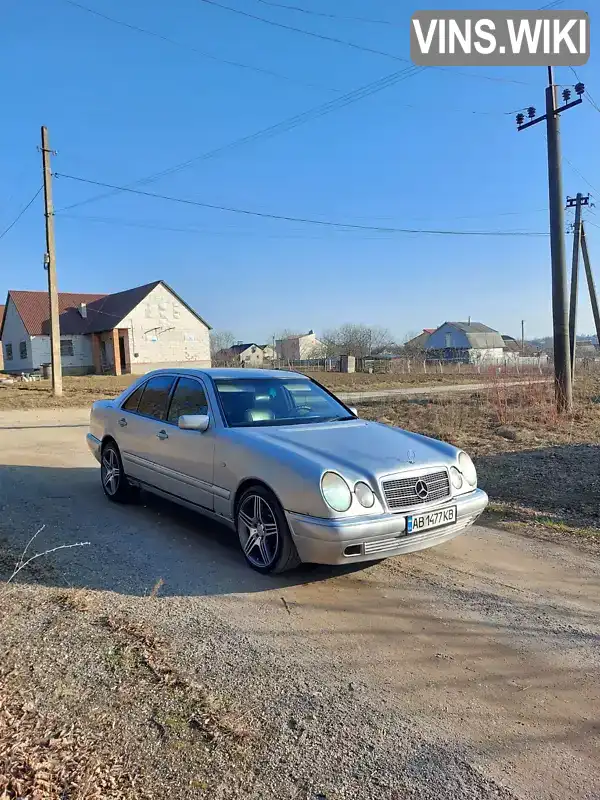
263	532
114	481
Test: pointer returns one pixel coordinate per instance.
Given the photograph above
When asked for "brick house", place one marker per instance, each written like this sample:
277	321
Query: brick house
133	331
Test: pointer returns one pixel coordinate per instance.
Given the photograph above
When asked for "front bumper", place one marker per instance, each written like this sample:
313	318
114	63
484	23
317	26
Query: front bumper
94	444
324	541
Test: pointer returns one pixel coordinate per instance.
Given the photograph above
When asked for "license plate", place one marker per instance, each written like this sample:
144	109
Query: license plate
433	519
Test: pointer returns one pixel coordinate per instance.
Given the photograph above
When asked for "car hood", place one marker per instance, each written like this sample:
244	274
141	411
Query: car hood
359	445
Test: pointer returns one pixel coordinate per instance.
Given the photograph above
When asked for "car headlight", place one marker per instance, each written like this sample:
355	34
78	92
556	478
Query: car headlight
456	478
336	491
364	495
467	468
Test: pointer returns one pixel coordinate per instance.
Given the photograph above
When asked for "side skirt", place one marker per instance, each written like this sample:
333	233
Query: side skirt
175	498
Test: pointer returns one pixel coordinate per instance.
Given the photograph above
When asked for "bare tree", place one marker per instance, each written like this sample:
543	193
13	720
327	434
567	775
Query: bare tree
220	340
357	340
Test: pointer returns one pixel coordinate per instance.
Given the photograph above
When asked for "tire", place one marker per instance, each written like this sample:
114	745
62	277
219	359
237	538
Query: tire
263	532
115	485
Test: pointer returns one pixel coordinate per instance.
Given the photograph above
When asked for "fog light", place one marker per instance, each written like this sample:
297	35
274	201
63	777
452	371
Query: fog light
456	478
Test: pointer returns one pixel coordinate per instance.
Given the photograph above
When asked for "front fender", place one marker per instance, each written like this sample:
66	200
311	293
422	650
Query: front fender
294	478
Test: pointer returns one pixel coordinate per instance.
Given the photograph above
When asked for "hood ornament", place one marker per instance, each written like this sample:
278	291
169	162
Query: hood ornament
412	456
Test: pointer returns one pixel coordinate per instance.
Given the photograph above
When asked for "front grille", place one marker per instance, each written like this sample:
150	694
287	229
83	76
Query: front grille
403	493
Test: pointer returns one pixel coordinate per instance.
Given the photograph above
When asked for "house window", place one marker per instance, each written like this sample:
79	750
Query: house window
23	351
448	340
66	347
9	354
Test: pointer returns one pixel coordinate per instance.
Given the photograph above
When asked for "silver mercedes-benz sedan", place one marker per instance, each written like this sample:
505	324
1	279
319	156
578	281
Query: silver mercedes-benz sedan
292	469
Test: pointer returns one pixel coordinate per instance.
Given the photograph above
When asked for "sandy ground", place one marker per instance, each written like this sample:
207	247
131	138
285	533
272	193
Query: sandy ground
491	641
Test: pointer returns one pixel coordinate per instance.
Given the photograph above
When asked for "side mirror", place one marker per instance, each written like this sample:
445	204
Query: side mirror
353	411
194	422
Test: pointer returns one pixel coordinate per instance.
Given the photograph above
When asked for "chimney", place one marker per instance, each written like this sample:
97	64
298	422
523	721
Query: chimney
83	310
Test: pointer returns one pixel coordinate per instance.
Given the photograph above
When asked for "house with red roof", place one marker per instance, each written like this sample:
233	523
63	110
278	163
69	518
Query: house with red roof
133	331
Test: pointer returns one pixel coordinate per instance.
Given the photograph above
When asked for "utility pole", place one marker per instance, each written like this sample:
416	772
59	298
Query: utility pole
590	281
522	337
575	203
562	353
50	262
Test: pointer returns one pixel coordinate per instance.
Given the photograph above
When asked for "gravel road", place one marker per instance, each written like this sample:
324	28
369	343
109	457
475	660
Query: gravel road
467	671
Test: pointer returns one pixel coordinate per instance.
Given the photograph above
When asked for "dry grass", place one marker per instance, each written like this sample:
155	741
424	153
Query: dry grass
499	418
92	707
539	468
80	392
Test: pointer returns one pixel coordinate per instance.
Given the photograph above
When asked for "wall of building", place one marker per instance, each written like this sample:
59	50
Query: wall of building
164	333
14	333
296	348
252	359
80	363
489	355
437	340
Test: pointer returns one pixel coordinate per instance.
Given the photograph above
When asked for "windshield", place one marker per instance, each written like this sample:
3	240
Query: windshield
249	402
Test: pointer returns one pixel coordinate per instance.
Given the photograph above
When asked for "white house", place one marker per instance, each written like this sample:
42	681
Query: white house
298	348
248	354
472	342
132	331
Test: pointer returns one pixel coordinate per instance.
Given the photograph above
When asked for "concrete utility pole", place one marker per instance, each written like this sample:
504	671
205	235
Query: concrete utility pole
590	281
575	203
50	262
562	353
522	337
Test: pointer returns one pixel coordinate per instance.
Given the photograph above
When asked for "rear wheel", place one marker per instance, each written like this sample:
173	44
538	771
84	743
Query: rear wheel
263	532
114	481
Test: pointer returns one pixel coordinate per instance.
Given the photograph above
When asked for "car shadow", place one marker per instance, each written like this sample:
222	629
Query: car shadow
129	549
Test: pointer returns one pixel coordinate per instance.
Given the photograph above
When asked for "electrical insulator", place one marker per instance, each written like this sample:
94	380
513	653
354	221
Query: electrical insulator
520	119
579	88
531	112
566	95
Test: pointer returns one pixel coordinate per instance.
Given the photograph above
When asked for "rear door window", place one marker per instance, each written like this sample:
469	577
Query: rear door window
132	402
155	400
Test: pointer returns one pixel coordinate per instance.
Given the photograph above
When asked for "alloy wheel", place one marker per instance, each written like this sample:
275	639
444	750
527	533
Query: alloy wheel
111	471
258	531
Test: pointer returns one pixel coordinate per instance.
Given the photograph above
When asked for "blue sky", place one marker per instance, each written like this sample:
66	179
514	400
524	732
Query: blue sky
120	105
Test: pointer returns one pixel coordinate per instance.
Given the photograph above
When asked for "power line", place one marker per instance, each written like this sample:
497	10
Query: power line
315	35
328	16
151	225
587	94
273	130
303	220
353	45
20	214
581	175
202	53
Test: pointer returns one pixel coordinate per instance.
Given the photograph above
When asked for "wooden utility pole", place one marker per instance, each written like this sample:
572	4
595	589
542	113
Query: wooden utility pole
50	262
590	281
560	310
576	203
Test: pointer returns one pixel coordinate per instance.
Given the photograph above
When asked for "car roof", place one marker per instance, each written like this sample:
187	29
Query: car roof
238	373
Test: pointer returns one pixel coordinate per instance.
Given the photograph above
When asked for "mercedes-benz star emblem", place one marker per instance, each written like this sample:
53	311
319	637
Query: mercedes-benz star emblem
421	489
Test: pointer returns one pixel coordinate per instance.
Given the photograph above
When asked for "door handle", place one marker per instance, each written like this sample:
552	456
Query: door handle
162	435
123	422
